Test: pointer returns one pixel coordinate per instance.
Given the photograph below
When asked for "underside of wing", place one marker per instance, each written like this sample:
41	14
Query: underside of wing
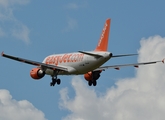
117	67
53	67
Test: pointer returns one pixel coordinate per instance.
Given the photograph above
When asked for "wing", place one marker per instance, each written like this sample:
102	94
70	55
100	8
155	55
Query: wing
53	67
117	67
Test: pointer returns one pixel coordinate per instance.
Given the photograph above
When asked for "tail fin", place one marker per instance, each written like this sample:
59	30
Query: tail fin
103	42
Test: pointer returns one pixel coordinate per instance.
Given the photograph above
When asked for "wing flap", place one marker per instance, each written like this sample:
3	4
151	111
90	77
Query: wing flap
53	67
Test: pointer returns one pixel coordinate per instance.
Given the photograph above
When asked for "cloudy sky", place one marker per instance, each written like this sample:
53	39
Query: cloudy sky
35	29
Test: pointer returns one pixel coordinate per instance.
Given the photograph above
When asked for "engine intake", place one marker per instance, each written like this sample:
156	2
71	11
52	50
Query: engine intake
37	73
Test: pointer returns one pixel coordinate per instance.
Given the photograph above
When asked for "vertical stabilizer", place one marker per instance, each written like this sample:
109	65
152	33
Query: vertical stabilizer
103	41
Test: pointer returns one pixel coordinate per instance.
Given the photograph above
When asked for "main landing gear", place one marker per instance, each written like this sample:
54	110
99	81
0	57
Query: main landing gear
54	81
92	82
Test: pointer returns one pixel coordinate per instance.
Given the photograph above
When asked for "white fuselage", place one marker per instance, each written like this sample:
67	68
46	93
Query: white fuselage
76	63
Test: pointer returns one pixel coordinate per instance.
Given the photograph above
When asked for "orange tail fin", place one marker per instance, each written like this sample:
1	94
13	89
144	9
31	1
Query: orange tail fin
103	42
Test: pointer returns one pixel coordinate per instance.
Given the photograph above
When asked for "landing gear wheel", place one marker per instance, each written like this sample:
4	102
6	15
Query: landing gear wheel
58	81
94	83
53	82
89	83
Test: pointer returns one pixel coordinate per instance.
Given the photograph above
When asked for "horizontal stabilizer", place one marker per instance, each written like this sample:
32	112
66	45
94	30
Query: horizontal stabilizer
124	55
91	54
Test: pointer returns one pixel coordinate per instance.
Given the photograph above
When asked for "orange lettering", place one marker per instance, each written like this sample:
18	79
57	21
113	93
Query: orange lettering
64	58
50	60
55	60
69	59
60	59
75	58
47	60
80	57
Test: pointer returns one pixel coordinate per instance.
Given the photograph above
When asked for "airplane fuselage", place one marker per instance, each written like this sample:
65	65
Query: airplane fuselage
76	63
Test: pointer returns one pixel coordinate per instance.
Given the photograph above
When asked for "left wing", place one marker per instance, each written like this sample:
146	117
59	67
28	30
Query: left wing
117	67
53	67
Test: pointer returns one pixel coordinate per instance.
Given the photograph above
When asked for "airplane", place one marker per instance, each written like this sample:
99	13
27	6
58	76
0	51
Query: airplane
88	63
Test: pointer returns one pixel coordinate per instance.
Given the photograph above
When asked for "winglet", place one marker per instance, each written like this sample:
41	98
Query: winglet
103	41
2	53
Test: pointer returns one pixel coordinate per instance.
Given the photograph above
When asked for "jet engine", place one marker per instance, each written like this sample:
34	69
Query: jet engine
37	73
92	75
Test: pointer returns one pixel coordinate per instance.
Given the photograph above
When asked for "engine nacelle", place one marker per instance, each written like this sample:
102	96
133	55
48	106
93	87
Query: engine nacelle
37	73
92	75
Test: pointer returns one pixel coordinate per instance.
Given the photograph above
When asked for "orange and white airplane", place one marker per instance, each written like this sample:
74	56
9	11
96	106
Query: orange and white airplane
88	63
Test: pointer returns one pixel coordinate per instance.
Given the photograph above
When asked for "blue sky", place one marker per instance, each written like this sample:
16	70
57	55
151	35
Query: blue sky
35	29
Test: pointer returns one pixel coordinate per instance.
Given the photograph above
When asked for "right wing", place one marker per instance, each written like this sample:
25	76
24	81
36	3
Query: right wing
43	65
117	67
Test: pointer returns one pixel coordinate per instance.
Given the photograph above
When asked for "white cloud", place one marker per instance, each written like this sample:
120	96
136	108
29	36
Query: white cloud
2	33
11	109
71	25
7	3
7	17
21	33
139	98
75	6
72	6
